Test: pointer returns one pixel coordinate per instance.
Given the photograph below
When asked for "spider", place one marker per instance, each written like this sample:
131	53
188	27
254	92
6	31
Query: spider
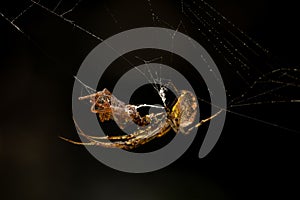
151	126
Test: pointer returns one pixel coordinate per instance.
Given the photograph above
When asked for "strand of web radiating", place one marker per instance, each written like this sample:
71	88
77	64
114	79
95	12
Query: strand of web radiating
68	21
50	11
265	102
238	98
218	17
13	24
88	89
210	30
89	33
237	72
222	45
259	95
225	43
57	5
155	20
163	22
22	13
95	36
153	82
65	19
57	15
237	34
151	11
234	26
240	54
112	15
158	83
281	86
264	122
181	25
115	20
205	37
202	57
264	79
276	98
71	9
221	40
250	117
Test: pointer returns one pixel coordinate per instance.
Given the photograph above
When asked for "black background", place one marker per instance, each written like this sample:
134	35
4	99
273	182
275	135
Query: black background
251	159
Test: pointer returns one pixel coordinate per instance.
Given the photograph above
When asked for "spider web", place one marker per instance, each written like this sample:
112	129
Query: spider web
261	80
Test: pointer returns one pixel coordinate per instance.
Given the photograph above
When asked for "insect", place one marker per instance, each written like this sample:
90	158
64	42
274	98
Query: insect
151	126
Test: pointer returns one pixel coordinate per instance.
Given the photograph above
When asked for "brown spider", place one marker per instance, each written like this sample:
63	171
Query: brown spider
151	126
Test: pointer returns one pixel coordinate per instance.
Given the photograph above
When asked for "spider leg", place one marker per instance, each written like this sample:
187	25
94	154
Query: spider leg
131	141
127	144
118	137
202	122
145	138
123	137
101	143
93	140
74	142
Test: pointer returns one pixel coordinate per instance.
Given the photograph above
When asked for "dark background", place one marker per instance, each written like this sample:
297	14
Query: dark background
251	159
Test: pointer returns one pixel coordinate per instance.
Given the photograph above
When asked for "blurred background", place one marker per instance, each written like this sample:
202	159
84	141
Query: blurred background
251	159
